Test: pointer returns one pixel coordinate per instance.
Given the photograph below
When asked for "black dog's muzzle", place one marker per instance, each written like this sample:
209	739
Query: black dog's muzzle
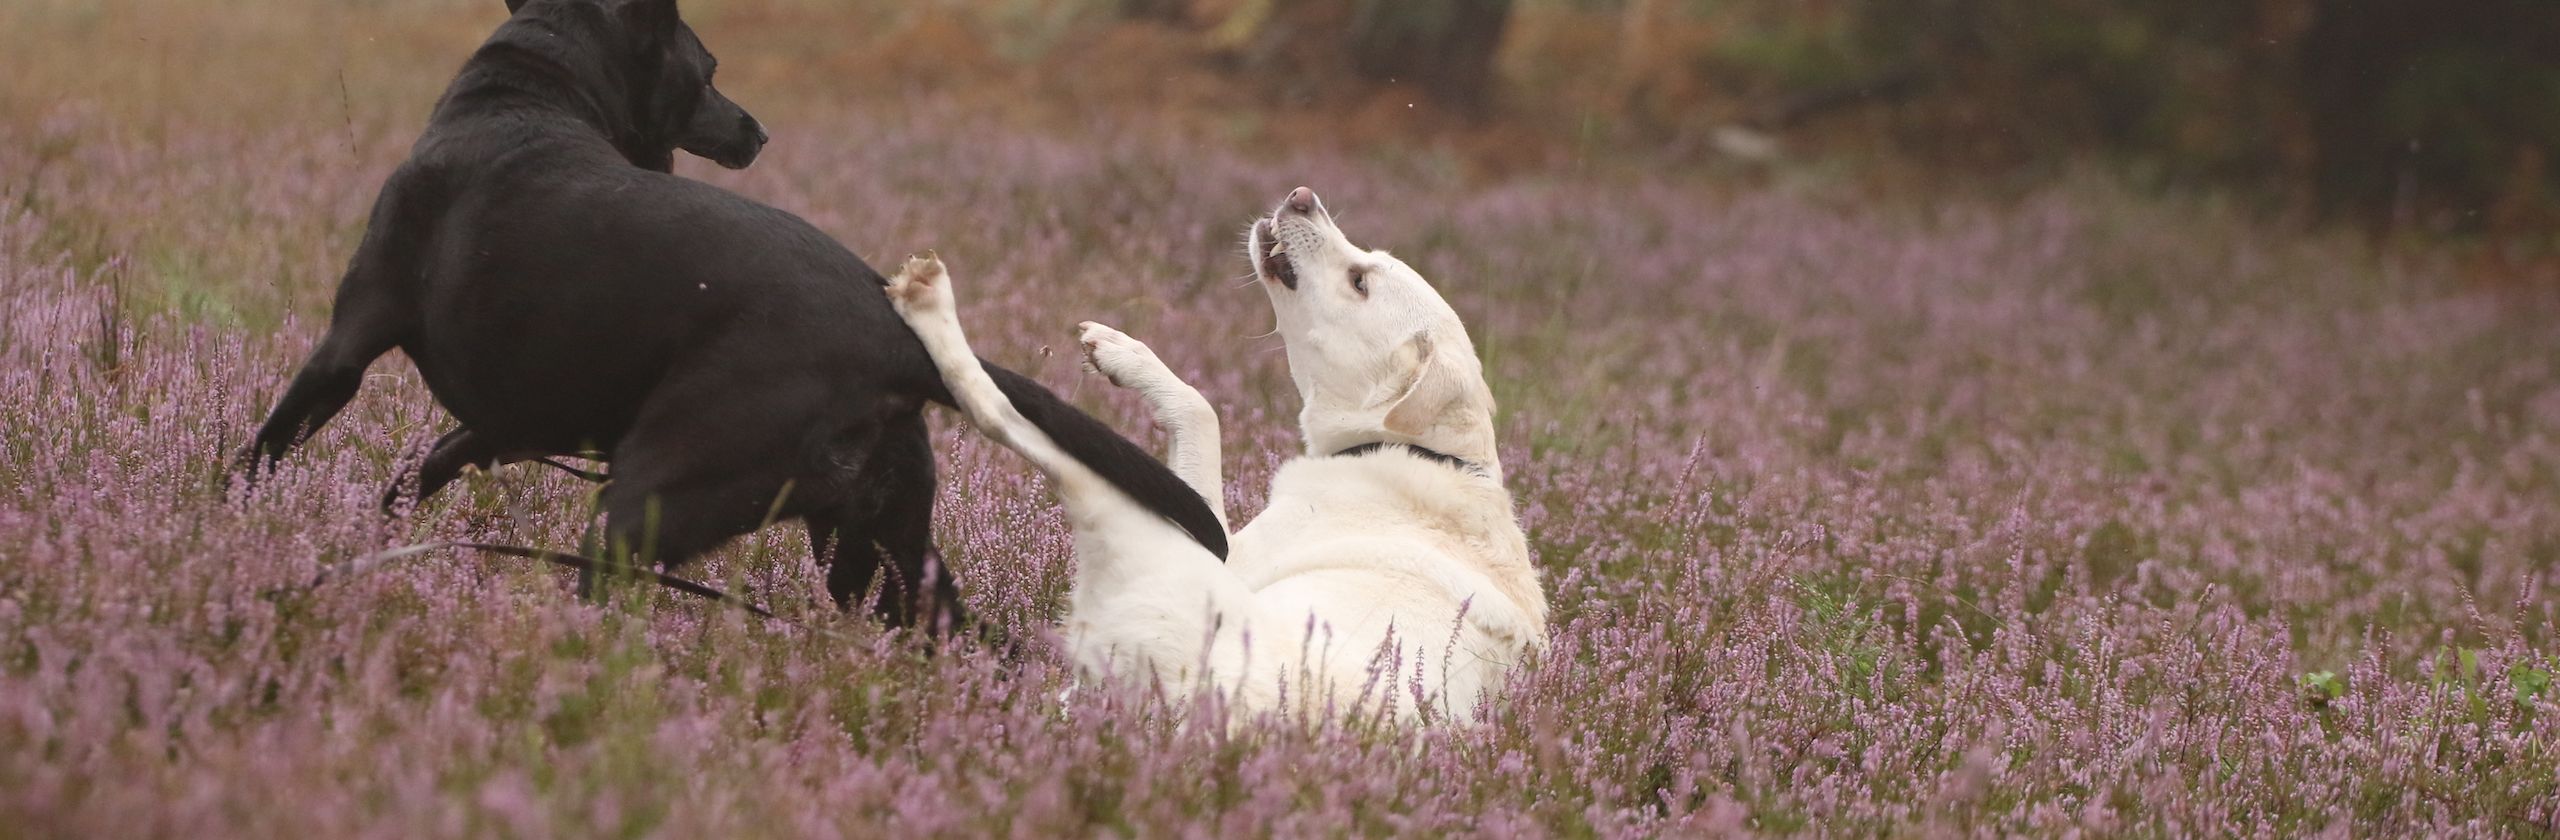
739	148
750	142
724	133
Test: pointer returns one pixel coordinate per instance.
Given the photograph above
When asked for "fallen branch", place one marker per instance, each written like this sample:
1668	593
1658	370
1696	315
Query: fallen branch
376	560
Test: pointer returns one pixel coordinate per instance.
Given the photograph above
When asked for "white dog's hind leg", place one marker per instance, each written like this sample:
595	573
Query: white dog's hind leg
923	297
1144	589
1189	421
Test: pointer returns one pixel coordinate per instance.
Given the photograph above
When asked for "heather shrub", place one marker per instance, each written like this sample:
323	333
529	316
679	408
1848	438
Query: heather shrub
2075	513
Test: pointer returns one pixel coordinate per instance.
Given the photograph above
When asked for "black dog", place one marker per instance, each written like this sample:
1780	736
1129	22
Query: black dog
562	294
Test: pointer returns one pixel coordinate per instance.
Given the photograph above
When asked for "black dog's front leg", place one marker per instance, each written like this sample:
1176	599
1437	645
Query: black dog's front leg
890	517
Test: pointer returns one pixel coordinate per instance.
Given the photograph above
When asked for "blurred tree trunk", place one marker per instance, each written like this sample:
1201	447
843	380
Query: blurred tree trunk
2417	106
1168	11
1446	46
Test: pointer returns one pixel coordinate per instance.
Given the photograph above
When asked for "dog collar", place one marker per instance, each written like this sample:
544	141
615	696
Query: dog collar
1423	452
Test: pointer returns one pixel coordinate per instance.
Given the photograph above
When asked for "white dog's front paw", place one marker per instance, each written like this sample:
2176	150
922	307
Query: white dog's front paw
1126	361
922	288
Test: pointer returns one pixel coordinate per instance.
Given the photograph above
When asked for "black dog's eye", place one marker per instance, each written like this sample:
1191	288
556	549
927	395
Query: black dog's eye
1360	282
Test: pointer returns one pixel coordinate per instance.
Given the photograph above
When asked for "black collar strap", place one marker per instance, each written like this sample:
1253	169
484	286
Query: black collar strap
1425	453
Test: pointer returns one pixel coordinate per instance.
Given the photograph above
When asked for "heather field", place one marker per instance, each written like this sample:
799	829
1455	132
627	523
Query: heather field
2066	512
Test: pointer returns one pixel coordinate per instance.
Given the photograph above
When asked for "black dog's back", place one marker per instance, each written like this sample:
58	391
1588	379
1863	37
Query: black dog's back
664	269
561	293
552	308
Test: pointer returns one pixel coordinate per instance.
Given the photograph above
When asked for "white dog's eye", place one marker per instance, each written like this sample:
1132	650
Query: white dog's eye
1360	282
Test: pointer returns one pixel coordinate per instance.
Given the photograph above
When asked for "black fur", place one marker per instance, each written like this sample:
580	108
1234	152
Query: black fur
561	295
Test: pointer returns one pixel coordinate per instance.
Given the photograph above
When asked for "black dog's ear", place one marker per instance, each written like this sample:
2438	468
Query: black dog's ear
513	5
654	18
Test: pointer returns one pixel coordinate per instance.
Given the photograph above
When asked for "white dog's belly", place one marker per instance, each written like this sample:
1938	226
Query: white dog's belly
1330	640
1362	631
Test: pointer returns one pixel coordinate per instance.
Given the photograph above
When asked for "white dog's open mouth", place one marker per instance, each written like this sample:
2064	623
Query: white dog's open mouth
1270	256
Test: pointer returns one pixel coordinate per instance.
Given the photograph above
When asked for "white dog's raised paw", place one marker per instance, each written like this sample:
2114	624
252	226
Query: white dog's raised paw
1126	361
922	286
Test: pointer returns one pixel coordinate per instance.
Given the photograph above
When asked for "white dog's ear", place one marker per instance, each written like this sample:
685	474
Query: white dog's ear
1423	389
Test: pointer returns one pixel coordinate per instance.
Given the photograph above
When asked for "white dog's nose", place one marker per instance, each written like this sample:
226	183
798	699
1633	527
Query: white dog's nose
1302	200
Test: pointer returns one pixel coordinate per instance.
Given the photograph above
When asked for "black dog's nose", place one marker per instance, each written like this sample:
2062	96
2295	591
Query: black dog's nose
1302	200
757	126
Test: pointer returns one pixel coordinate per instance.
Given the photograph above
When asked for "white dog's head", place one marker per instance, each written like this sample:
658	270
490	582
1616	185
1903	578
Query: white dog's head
1378	356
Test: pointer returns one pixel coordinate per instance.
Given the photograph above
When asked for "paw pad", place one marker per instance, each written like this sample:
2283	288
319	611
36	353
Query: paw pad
927	267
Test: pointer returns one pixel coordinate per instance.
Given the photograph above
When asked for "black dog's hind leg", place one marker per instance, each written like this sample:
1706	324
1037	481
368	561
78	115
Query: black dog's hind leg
371	315
324	385
890	513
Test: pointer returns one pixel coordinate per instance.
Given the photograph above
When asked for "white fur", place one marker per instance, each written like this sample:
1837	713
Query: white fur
1367	579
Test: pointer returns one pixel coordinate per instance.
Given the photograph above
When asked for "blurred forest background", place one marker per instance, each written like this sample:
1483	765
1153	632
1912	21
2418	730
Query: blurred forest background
2415	119
2433	124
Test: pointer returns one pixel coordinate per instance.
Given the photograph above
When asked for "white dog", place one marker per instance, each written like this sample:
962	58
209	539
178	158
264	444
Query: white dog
1387	573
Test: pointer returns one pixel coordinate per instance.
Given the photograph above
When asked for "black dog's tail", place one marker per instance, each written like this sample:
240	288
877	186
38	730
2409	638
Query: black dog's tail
1118	461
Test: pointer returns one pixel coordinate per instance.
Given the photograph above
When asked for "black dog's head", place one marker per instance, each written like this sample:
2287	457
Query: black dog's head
654	77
